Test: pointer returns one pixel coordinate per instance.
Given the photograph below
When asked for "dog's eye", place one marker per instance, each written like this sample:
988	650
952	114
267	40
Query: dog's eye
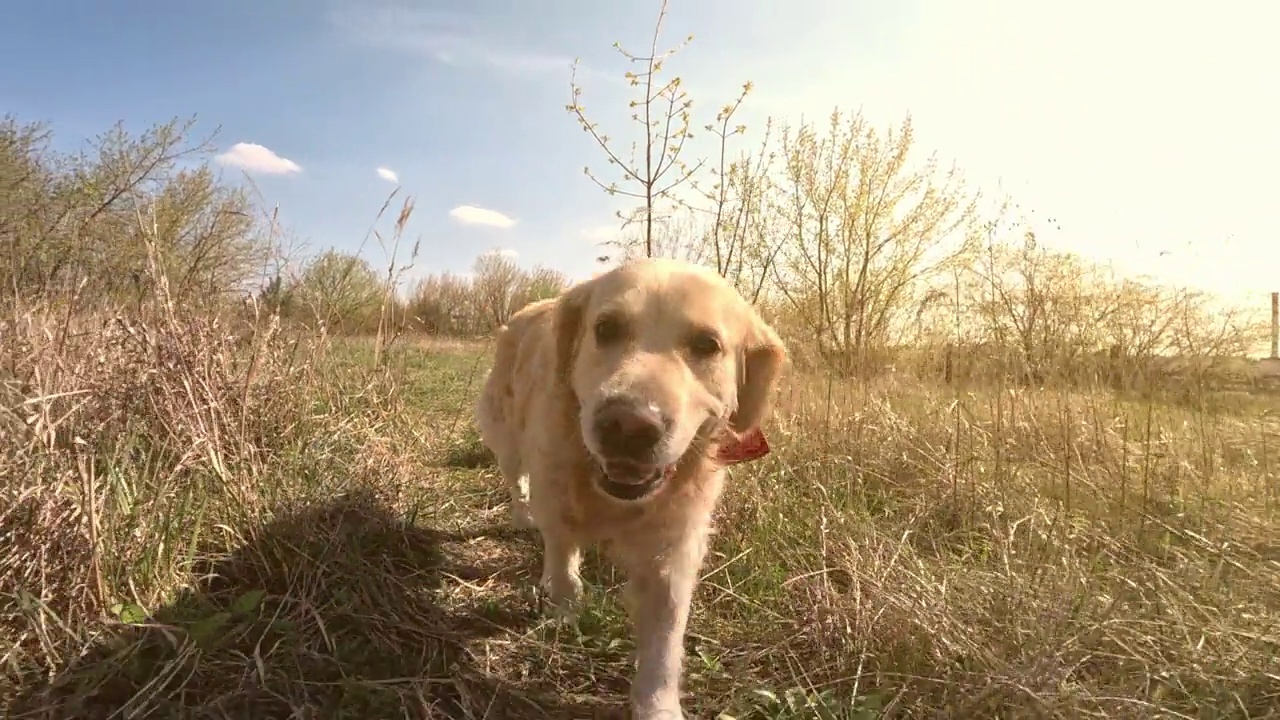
608	330
704	344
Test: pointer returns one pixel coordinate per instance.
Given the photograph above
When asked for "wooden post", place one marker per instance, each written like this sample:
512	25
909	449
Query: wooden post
1275	325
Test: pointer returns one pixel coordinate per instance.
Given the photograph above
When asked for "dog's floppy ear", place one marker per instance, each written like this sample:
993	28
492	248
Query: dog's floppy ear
759	366
567	327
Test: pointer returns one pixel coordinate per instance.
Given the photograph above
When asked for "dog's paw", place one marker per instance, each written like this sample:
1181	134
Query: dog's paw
655	705
564	612
522	516
658	713
560	601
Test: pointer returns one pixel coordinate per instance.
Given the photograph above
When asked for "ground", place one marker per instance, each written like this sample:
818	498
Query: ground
908	550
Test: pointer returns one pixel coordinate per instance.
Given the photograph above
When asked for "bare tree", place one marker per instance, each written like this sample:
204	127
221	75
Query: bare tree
664	111
497	286
864	229
444	305
340	291
537	284
68	217
1049	306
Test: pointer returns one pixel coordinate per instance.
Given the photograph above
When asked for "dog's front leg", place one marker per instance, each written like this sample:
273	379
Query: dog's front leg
660	591
561	560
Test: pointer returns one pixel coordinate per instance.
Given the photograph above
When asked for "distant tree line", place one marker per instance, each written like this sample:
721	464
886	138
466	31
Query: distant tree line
865	258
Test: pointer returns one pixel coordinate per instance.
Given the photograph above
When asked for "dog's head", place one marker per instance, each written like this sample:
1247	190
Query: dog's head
662	357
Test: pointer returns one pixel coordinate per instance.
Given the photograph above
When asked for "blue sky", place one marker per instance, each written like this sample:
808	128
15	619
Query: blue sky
1147	129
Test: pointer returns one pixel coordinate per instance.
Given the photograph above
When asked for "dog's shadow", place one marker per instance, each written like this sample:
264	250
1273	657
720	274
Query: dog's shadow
325	612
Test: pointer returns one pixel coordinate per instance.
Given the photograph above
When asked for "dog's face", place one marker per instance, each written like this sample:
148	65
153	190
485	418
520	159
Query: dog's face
661	356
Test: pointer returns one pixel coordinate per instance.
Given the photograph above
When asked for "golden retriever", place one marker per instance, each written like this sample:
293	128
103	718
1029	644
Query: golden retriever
612	411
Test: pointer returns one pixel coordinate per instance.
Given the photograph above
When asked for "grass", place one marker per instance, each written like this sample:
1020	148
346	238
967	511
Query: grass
204	520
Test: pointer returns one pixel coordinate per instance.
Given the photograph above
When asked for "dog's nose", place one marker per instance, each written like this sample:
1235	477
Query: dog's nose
629	428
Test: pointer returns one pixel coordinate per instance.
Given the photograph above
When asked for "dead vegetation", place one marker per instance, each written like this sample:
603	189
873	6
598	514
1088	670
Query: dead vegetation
199	524
1005	483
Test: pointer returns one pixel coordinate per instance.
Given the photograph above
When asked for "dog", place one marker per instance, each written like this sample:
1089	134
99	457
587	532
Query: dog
612	410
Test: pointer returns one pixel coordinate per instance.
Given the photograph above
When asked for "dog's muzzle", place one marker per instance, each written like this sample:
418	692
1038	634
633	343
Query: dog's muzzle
630	433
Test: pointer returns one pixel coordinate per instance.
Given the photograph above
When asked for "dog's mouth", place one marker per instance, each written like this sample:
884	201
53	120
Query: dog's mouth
632	480
629	480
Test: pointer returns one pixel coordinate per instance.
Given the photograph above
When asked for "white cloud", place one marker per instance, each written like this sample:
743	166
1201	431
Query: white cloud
462	50
441	37
472	215
389	175
256	158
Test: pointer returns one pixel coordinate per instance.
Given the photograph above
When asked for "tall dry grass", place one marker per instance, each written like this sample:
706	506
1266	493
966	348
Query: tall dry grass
206	514
1037	553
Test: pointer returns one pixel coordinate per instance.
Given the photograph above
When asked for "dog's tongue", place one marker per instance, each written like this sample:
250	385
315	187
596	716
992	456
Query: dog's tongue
743	448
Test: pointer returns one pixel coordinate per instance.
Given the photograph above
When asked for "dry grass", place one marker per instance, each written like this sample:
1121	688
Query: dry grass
208	519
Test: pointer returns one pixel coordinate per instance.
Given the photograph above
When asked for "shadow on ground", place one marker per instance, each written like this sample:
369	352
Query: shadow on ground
469	454
333	611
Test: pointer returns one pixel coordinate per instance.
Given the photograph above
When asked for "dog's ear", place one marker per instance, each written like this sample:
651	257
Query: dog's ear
759	366
567	327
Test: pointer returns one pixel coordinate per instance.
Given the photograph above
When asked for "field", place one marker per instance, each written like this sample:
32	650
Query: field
241	482
204	522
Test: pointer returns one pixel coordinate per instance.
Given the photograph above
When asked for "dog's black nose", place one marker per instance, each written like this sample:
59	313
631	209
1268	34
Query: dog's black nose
629	429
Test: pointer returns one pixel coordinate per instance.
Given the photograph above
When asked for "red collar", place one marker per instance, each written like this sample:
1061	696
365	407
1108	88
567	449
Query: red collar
742	448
